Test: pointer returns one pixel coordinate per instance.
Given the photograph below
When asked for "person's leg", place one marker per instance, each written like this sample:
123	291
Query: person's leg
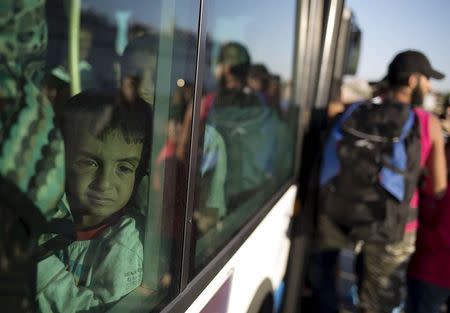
322	276
323	266
384	280
424	297
359	269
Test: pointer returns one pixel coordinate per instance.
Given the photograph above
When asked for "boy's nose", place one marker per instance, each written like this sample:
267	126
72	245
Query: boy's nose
104	179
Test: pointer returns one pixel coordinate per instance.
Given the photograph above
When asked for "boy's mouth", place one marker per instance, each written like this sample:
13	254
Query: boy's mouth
99	199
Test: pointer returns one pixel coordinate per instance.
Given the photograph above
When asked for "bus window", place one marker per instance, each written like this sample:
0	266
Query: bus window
117	78
354	48
247	120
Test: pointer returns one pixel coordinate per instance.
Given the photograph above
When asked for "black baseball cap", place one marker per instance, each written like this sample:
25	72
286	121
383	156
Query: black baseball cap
411	61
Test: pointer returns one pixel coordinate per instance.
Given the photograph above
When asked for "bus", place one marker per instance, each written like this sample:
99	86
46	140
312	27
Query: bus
150	150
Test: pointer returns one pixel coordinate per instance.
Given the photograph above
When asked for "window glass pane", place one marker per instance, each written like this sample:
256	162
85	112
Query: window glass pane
92	98
248	122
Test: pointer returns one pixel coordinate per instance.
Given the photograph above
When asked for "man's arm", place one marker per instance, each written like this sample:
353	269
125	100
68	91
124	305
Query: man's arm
436	161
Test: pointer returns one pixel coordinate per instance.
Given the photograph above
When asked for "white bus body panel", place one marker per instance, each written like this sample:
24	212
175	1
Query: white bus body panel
264	255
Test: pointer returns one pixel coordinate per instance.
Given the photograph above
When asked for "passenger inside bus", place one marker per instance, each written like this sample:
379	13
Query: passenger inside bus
243	120
107	143
265	85
213	170
87	76
138	68
243	113
211	206
106	261
259	79
274	91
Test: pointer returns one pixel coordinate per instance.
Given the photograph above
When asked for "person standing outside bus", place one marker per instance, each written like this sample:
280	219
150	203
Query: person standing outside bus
409	82
384	264
428	273
428	276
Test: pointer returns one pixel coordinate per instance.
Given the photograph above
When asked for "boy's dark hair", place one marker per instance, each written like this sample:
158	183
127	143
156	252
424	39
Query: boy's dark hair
103	113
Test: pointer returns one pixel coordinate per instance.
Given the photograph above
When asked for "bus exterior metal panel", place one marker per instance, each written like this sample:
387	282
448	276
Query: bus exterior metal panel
343	42
200	284
328	56
314	44
310	44
254	261
300	69
353	48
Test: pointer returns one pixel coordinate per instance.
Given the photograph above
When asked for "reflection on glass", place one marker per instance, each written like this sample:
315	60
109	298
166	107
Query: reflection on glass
138	68
247	120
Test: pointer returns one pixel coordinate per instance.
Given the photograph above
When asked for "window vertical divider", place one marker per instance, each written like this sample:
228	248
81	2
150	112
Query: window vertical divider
187	255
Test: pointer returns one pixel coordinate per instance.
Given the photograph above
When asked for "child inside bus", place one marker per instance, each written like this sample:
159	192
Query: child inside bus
106	141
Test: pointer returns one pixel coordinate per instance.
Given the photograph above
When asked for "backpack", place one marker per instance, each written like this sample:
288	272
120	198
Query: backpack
370	170
247	128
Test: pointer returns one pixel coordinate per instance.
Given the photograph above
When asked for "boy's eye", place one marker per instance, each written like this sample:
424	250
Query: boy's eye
126	169
87	163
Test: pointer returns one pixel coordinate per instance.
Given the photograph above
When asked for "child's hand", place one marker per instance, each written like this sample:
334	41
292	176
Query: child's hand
204	222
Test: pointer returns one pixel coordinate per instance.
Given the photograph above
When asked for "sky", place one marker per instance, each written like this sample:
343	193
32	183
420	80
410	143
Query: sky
245	22
390	26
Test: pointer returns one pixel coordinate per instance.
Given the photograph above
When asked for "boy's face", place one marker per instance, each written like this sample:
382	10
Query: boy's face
100	174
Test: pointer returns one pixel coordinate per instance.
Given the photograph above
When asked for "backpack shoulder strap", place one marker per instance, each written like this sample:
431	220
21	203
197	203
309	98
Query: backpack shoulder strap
348	112
330	161
407	127
392	175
